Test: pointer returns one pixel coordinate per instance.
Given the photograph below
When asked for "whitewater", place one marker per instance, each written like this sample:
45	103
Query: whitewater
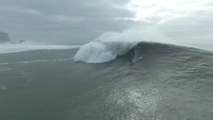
31	46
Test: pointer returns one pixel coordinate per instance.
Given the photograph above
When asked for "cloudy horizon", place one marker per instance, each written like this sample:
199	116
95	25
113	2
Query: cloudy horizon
79	21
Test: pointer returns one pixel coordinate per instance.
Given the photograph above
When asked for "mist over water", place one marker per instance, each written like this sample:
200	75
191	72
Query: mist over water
110	45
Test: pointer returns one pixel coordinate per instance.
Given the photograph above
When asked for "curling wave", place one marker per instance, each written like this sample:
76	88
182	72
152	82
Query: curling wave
100	52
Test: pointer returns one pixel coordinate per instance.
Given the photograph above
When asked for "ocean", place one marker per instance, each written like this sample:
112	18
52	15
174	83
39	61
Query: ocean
165	82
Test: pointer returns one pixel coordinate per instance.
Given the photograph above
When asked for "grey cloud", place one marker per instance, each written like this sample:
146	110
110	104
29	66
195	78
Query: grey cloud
74	21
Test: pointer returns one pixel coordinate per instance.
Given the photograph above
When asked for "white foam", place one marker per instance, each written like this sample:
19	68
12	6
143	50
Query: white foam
13	48
99	52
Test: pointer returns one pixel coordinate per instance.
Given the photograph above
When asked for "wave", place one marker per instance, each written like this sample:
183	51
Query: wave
29	46
110	45
100	52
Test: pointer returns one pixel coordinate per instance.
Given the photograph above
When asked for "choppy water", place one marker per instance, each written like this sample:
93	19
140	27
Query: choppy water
168	83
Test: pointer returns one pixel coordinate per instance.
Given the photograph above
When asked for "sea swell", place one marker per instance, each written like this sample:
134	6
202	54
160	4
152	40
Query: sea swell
100	52
169	83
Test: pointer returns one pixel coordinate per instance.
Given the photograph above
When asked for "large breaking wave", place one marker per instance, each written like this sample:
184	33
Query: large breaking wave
110	45
99	52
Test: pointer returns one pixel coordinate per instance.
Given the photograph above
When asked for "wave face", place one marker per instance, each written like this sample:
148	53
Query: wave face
145	81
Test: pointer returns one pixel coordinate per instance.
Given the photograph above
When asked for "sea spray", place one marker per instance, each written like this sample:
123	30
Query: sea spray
112	44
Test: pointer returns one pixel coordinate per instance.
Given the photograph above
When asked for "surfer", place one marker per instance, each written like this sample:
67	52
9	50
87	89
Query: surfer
137	56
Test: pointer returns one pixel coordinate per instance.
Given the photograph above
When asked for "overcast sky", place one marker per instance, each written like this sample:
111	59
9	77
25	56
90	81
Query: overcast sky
80	21
73	21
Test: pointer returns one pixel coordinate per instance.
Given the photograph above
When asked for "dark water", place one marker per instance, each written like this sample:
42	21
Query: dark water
169	83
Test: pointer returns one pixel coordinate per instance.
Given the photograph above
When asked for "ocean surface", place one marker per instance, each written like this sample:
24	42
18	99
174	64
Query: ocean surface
149	81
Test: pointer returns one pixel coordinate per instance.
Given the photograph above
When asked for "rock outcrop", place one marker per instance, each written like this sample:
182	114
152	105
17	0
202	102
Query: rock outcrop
4	37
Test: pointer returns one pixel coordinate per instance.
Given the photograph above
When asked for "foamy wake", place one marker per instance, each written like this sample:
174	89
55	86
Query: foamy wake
13	48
